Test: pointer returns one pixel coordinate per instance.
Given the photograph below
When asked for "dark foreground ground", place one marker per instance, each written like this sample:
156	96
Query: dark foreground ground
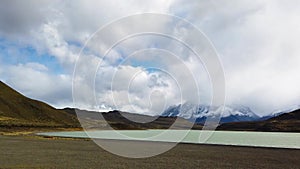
34	152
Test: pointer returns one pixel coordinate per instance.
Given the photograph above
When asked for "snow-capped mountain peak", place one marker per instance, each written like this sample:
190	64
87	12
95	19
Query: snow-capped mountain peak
199	113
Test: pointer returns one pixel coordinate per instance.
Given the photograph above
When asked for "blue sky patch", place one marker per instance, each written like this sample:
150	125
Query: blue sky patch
14	54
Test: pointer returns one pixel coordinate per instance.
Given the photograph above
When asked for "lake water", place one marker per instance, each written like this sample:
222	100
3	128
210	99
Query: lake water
257	139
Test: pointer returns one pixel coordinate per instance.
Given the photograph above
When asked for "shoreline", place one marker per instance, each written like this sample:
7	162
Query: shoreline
224	138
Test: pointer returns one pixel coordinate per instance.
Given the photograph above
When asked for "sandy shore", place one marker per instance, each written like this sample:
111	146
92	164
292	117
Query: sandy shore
36	152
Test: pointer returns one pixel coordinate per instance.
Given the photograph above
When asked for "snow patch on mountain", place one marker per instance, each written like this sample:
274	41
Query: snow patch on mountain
282	111
200	112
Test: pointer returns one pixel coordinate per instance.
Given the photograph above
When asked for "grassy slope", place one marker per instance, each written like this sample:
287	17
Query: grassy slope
17	110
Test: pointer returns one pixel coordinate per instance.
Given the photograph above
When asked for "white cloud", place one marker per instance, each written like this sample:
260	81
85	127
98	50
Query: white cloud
35	66
33	80
136	90
257	42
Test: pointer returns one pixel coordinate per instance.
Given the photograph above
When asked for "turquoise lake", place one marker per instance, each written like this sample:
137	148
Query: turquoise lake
256	139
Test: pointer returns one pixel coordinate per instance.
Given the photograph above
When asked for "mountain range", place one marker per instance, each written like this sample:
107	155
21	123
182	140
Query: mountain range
286	122
19	111
199	113
128	121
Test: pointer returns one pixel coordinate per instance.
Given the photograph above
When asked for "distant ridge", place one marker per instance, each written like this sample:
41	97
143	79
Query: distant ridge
17	110
287	122
128	121
280	112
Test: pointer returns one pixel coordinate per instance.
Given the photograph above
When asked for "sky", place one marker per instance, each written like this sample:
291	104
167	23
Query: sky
45	45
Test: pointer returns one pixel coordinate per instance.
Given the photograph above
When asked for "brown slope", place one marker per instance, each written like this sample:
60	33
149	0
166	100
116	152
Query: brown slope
292	116
288	122
17	110
128	121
